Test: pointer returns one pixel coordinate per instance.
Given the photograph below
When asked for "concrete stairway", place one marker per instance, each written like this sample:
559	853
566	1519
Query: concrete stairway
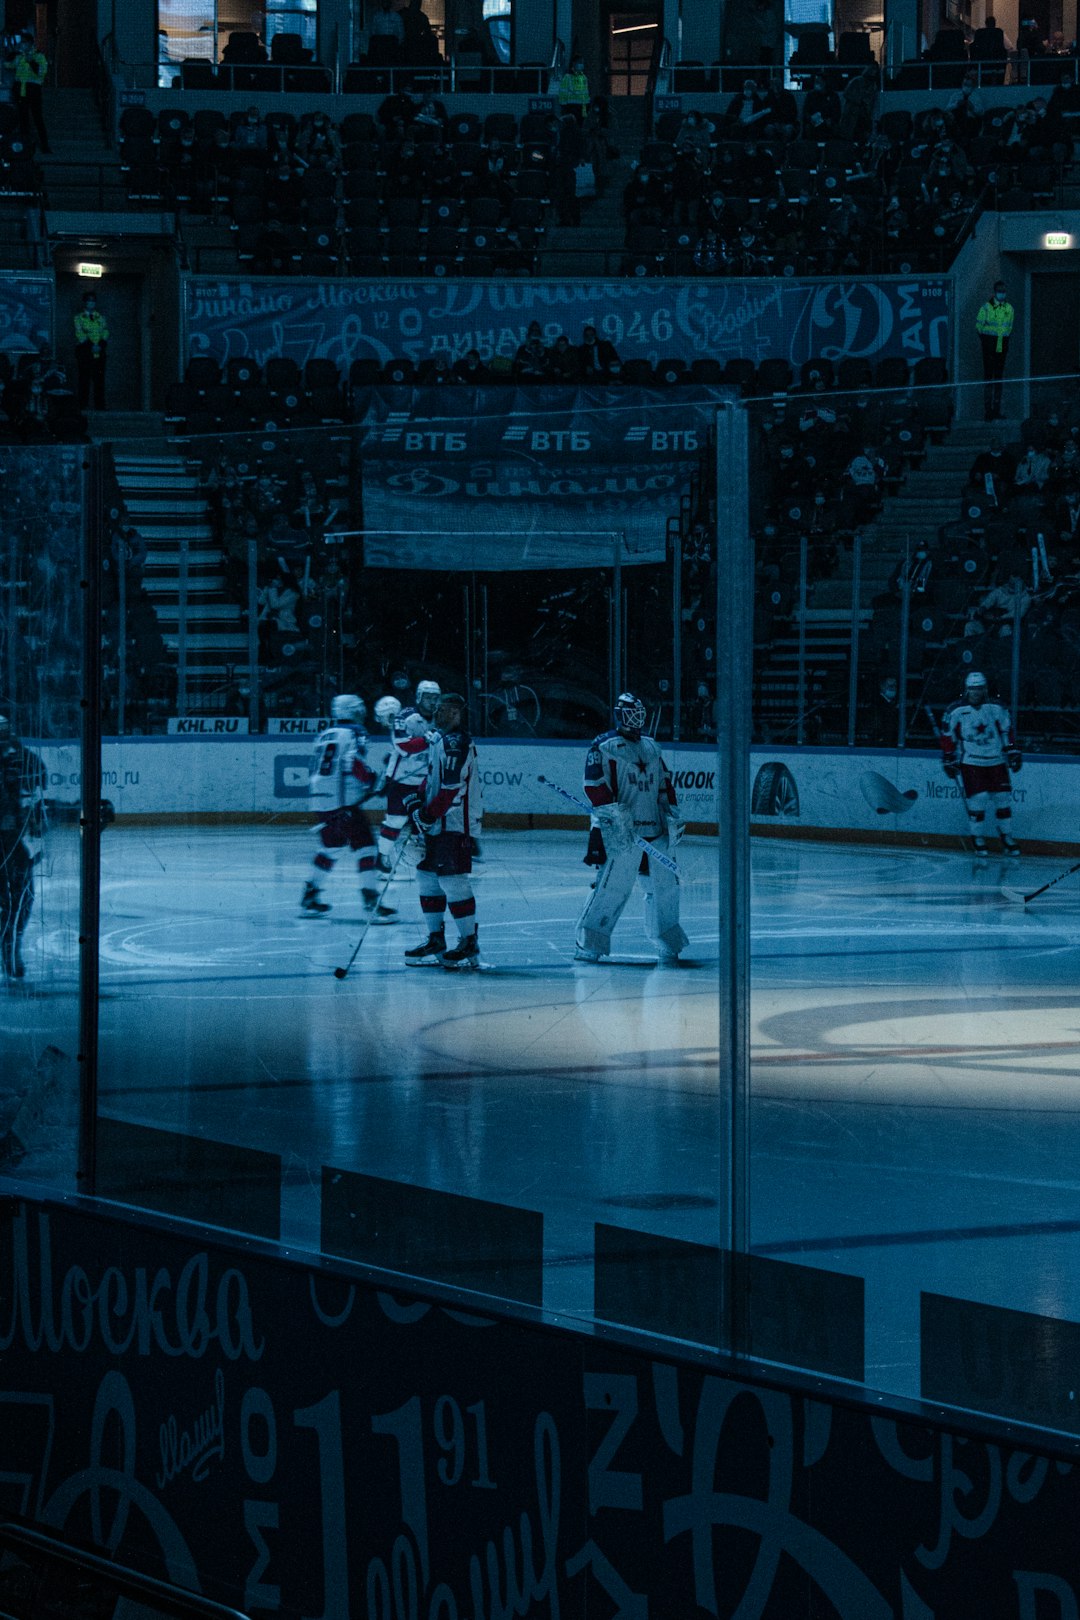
82	173
595	247
166	503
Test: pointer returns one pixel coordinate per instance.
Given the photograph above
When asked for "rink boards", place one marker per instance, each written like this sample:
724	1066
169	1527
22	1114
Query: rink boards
878	795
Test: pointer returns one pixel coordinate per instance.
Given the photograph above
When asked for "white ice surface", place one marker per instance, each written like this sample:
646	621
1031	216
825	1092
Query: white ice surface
915	1037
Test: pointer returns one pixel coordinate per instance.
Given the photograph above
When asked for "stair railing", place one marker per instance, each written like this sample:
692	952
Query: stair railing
557	67
165	1600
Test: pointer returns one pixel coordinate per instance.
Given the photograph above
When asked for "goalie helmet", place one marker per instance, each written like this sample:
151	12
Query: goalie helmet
428	694
629	713
387	710
347	706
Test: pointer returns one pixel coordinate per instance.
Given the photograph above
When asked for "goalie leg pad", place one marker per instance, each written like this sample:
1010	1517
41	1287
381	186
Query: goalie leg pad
662	907
607	900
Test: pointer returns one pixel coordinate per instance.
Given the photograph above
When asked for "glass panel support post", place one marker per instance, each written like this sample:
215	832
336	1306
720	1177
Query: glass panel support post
804	597
1014	670
853	665
734	683
676	637
181	631
121	639
902	674
93	504
253	633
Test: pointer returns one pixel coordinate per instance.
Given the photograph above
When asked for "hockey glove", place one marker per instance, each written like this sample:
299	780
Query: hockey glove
596	854
676	827
476	849
412	804
951	769
1015	758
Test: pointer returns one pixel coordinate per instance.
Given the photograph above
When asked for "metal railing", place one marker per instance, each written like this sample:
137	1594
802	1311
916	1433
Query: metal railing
168	1602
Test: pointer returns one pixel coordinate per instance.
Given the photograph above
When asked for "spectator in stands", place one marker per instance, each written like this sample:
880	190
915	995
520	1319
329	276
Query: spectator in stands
965	108
319	138
994	324
1032	470
695	135
758	170
821	111
564	178
250	133
420	46
883	719
564	363
574	90
278	601
710	255
471	369
386	35
598	148
492	175
435	370
857	105
596	356
531	362
782	123
433	114
1029	38
948	44
748	111
863	478
988	44
998	608
993	471
31	68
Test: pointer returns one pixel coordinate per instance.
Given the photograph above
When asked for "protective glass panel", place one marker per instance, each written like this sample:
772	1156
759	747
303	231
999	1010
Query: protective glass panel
914	906
443	1053
40	774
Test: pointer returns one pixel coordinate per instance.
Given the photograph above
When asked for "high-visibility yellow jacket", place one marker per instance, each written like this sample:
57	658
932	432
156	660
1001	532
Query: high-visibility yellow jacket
31	67
995	320
573	90
90	327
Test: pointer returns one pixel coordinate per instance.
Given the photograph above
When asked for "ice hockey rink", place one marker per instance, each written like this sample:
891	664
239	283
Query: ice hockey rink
915	1041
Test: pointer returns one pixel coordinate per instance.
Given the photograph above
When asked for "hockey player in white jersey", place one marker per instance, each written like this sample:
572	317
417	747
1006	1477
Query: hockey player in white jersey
631	791
339	781
410	736
979	749
448	811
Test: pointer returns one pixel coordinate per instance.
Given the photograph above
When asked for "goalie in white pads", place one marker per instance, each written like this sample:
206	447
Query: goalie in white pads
448	812
631	791
411	731
978	748
339	781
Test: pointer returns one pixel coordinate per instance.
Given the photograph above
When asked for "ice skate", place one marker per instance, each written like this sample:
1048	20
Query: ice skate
378	913
583	954
1009	846
311	900
430	953
668	958
981	851
465	954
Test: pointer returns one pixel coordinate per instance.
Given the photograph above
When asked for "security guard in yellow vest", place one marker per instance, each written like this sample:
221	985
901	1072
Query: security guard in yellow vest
574	90
31	69
91	345
994	324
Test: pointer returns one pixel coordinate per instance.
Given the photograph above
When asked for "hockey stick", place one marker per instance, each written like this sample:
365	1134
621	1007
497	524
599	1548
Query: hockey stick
406	834
1022	899
590	810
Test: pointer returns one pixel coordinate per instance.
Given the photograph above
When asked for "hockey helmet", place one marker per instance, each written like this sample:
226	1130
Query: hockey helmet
428	694
347	706
629	713
387	710
451	711
975	685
